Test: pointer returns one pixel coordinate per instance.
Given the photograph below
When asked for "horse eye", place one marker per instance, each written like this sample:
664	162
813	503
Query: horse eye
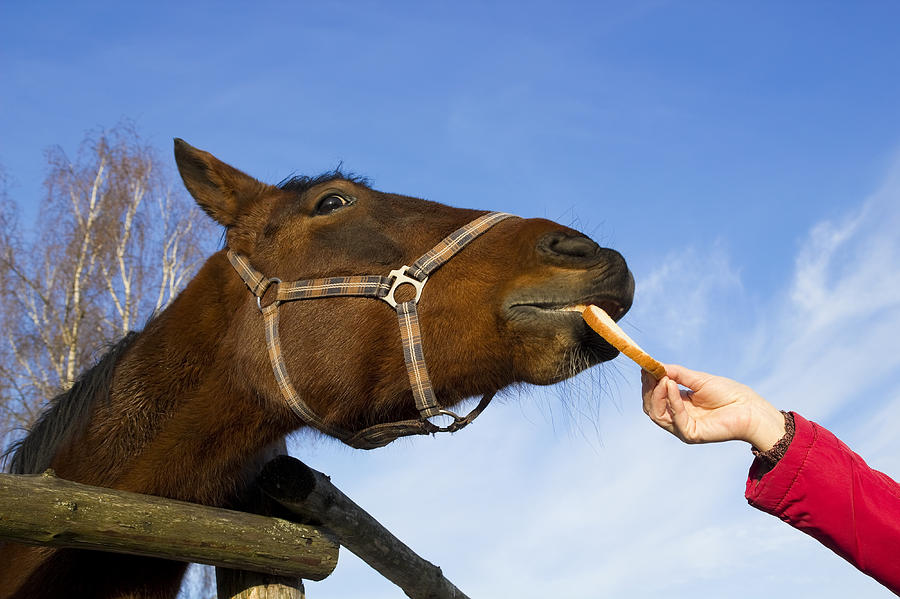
329	204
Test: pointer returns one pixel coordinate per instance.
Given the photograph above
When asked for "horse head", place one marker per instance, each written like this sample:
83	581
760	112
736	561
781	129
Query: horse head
502	310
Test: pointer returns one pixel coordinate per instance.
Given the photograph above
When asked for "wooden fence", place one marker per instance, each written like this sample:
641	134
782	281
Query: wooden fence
255	555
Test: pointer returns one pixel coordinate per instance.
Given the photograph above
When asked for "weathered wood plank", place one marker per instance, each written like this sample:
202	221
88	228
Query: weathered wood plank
47	510
310	494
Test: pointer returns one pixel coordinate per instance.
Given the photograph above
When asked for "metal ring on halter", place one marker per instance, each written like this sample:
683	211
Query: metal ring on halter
458	421
266	288
399	277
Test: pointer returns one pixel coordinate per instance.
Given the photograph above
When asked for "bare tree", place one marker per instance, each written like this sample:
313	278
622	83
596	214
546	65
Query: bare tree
8	226
114	242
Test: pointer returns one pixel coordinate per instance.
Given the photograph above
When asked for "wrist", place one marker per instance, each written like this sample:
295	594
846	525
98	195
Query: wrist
769	427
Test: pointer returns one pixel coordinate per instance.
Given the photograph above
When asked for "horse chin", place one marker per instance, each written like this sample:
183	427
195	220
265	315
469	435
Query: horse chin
556	343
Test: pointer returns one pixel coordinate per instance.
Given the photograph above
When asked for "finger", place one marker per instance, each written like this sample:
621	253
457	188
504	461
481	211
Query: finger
651	391
682	423
693	379
647	382
646	389
655	407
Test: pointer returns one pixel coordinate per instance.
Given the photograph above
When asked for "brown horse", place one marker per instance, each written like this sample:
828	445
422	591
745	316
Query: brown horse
185	408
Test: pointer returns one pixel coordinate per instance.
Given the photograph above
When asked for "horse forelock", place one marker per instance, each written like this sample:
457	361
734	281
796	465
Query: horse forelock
300	184
66	415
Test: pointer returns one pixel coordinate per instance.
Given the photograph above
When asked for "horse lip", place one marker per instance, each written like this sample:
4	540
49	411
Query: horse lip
612	306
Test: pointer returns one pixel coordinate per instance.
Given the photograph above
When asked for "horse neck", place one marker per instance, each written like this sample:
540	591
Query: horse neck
184	420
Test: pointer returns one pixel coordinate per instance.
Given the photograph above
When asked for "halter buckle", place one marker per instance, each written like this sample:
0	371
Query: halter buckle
400	277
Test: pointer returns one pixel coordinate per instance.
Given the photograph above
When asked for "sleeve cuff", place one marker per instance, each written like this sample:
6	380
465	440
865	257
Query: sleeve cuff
766	489
768	459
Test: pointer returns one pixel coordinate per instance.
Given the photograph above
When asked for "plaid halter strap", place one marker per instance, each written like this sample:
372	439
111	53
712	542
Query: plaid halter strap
382	288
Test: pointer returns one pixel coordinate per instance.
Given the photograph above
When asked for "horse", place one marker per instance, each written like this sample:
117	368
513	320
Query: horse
185	408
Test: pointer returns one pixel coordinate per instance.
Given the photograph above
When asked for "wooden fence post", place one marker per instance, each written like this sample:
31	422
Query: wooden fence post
242	584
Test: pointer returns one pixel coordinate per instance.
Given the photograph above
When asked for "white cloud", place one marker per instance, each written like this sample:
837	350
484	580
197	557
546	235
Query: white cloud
876	437
815	260
679	296
839	335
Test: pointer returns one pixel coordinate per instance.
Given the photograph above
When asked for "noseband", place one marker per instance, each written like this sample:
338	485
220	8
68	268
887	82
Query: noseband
383	288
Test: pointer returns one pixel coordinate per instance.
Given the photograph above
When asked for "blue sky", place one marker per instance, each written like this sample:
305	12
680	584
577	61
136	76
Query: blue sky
744	157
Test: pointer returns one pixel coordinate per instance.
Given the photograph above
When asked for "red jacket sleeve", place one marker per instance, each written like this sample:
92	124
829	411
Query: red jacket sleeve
824	489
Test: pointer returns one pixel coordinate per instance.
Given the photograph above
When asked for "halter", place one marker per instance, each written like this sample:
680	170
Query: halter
383	288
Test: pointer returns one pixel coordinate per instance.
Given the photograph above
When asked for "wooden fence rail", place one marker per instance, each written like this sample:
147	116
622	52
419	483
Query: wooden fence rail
47	510
310	494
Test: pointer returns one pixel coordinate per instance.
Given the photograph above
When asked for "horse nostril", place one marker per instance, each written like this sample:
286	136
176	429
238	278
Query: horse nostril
570	247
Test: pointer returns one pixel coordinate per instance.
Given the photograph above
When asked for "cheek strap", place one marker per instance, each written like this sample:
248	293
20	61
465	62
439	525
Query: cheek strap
382	288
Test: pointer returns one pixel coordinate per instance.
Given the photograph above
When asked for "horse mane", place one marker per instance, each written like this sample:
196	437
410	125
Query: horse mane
67	414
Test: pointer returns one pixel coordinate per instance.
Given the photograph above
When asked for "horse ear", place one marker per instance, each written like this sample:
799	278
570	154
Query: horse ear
220	189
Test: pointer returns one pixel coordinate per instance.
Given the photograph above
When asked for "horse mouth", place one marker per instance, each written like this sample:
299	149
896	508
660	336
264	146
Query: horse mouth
549	325
611	306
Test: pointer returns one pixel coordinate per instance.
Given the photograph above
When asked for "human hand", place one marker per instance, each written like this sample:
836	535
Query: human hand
713	409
